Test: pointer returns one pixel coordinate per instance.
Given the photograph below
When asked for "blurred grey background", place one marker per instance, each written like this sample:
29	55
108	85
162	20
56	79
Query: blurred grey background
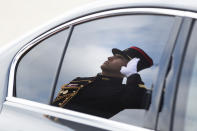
18	17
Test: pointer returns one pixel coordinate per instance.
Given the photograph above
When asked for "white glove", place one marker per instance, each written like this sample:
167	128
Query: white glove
131	67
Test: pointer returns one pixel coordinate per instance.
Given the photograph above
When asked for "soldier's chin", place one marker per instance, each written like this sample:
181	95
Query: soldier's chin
103	67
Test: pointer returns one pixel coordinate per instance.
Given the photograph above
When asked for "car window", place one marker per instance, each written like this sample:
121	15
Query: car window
36	71
92	42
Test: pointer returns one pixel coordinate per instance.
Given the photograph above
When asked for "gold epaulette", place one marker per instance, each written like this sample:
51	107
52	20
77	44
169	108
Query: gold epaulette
89	81
105	79
142	86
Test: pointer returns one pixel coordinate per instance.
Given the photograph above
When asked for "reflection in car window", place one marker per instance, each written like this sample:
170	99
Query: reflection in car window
91	43
191	107
37	69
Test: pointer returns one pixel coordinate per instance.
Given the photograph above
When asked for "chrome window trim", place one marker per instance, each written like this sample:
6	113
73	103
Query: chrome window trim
126	11
71	115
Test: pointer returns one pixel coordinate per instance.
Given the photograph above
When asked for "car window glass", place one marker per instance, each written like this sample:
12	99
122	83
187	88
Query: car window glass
191	107
37	69
91	44
184	115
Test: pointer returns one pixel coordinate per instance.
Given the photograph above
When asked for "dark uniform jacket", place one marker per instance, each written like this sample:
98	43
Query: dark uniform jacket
101	95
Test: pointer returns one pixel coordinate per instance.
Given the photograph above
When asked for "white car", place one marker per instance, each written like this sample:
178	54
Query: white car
33	69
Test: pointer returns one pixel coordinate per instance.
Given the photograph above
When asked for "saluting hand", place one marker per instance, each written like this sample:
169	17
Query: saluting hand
131	67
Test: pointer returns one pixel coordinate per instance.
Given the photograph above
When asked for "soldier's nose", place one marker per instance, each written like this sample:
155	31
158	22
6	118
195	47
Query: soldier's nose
110	58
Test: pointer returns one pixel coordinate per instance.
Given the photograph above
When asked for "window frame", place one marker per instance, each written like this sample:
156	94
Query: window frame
27	49
114	12
169	86
186	70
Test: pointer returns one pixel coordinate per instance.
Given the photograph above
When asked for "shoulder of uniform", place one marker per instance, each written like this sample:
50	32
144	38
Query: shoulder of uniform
78	81
135	76
142	86
134	79
82	79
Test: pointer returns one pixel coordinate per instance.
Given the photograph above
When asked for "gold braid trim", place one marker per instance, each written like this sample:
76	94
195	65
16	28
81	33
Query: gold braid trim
70	87
89	81
142	86
60	97
69	98
65	85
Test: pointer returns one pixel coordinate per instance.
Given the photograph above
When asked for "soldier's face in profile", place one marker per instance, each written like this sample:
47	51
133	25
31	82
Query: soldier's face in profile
114	64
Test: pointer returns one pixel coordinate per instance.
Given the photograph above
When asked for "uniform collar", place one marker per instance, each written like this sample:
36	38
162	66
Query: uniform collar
109	78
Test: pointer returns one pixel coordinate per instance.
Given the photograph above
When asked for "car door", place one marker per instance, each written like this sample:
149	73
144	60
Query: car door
77	48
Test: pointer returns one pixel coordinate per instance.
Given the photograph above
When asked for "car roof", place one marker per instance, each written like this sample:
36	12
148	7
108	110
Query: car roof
104	5
189	5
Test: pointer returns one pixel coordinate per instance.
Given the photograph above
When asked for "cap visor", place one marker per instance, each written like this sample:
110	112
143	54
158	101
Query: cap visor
117	51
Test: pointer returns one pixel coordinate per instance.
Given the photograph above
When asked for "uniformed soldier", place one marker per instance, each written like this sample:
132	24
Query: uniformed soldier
104	95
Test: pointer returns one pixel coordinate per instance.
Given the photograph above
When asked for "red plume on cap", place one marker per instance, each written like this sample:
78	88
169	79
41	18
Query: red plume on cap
144	54
135	52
